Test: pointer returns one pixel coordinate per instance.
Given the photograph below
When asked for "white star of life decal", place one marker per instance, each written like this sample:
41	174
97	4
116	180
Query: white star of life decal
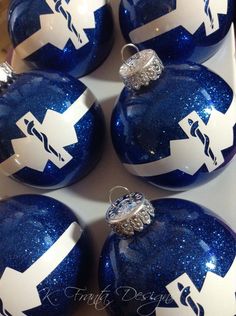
18	290
188	14
216	298
45	141
67	22
203	146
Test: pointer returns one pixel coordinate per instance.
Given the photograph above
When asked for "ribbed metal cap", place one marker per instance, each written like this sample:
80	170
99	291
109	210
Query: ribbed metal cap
7	76
141	68
130	213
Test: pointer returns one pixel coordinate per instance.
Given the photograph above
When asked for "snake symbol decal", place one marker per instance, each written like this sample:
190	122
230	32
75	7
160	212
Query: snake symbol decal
215	298
195	132
49	139
3	312
187	300
203	146
209	13
31	130
59	8
73	25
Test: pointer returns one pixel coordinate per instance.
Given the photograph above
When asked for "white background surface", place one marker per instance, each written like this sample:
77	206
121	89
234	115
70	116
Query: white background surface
89	197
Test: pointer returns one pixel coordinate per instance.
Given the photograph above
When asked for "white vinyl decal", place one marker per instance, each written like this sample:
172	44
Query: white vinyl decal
217	296
191	15
46	141
18	291
203	146
67	22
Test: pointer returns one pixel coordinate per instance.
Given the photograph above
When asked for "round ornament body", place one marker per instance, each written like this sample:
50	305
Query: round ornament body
179	131
175	266
177	30
69	36
44	256
52	130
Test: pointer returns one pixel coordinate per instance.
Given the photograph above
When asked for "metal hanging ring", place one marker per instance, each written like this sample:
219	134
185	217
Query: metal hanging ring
123	49
115	188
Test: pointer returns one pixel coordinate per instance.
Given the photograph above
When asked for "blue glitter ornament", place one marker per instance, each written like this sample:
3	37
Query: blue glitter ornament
175	132
65	35
45	255
178	30
51	128
170	257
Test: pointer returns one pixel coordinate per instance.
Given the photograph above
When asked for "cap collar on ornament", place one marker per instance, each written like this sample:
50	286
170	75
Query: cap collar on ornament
130	213
141	68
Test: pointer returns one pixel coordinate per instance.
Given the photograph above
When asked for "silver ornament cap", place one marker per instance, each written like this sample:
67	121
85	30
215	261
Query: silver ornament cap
130	213
141	68
7	76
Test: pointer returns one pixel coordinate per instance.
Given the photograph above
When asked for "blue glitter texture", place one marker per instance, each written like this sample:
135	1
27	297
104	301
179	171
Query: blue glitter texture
178	44
144	122
24	20
183	238
29	226
37	92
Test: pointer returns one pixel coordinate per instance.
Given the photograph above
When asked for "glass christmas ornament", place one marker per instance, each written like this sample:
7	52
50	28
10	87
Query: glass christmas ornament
65	35
167	257
173	126
45	255
51	128
178	30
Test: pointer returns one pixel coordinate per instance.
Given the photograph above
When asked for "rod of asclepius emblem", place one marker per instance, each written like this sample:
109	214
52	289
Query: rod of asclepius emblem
188	15
216	297
203	145
45	141
68	21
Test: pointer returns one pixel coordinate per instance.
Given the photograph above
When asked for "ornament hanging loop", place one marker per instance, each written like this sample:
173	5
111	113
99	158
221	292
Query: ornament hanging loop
123	50
114	189
129	213
141	68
